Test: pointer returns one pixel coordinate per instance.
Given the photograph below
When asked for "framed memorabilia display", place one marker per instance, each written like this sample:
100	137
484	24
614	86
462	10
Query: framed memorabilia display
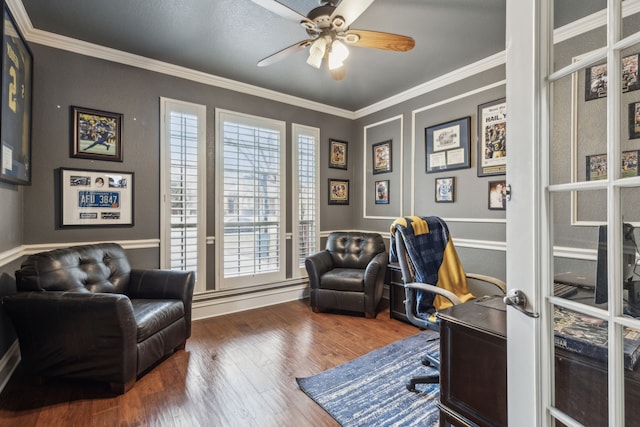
95	198
382	192
492	138
17	86
97	135
595	81
445	190
447	145
596	165
497	196
338	191
634	120
381	153
338	152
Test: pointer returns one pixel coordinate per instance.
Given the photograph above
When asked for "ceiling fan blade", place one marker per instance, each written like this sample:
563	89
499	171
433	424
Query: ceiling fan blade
351	9
380	40
284	53
282	10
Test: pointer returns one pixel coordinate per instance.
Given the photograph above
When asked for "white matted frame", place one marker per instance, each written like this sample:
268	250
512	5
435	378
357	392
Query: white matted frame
95	198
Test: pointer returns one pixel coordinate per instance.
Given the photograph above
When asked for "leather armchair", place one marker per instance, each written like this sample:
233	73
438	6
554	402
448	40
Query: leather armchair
349	274
82	312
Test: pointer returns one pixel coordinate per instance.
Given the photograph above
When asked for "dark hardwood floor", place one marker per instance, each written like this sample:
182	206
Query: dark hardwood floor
237	370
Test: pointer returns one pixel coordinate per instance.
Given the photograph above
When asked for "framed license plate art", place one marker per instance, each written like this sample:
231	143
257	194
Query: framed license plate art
338	191
17	72
96	135
492	138
95	198
447	145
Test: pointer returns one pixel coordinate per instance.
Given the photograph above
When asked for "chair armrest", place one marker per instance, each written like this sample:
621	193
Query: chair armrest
318	264
436	290
71	333
481	285
376	270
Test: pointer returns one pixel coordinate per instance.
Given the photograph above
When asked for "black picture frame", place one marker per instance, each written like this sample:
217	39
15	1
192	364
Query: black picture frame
96	135
17	100
447	145
338	154
445	189
492	138
381	157
596	165
595	80
381	191
496	195
338	191
634	120
96	198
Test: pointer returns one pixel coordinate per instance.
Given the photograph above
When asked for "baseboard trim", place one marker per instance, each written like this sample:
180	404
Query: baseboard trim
236	303
8	364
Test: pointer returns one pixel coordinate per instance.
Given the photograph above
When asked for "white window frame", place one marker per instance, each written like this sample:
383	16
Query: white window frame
261	279
167	105
296	131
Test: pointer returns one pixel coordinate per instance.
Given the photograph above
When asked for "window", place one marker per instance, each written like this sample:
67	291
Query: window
251	181
306	239
183	167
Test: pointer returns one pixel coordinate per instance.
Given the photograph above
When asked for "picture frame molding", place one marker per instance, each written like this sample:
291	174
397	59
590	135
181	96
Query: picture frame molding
338	161
16	129
439	158
94	187
77	116
335	197
377	165
451	191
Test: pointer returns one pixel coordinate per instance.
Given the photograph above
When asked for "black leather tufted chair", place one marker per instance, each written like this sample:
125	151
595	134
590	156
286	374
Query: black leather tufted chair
82	312
349	274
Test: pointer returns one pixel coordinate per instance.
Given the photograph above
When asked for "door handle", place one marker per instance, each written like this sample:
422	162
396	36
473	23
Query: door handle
518	300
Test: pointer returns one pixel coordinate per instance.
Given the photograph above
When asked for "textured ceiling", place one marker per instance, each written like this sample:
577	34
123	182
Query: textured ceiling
226	38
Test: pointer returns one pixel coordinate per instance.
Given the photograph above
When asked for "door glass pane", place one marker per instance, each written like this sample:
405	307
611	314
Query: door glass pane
630	111
631	21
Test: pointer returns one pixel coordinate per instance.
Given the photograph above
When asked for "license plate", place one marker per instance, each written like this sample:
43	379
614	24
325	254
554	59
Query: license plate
98	199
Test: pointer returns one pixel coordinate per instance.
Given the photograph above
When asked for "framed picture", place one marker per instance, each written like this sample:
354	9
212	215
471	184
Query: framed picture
595	81
97	135
445	190
17	88
596	166
338	151
95	198
492	138
447	145
382	192
497	196
338	191
381	153
634	120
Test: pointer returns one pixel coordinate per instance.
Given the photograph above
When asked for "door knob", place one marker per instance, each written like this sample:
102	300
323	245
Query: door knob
518	300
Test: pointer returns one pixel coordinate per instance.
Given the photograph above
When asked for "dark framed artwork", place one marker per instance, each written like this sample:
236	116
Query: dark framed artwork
97	135
95	198
17	87
595	81
497	195
447	145
382	192
381	155
492	138
634	120
338	191
445	190
338	153
596	165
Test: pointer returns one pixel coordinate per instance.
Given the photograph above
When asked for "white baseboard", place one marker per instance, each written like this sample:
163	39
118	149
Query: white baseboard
8	364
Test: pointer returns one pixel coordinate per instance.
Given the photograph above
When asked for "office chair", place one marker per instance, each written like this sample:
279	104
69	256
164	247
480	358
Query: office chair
433	277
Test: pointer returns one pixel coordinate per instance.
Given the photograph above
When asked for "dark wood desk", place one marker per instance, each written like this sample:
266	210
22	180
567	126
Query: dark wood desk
396	292
473	366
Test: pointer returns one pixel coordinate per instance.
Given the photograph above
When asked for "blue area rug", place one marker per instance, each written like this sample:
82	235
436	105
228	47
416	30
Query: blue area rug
371	390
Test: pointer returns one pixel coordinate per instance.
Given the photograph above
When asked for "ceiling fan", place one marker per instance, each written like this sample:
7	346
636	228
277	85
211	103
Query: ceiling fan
329	34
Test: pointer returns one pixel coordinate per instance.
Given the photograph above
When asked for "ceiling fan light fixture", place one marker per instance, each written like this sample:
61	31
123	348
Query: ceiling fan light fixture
316	52
334	62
